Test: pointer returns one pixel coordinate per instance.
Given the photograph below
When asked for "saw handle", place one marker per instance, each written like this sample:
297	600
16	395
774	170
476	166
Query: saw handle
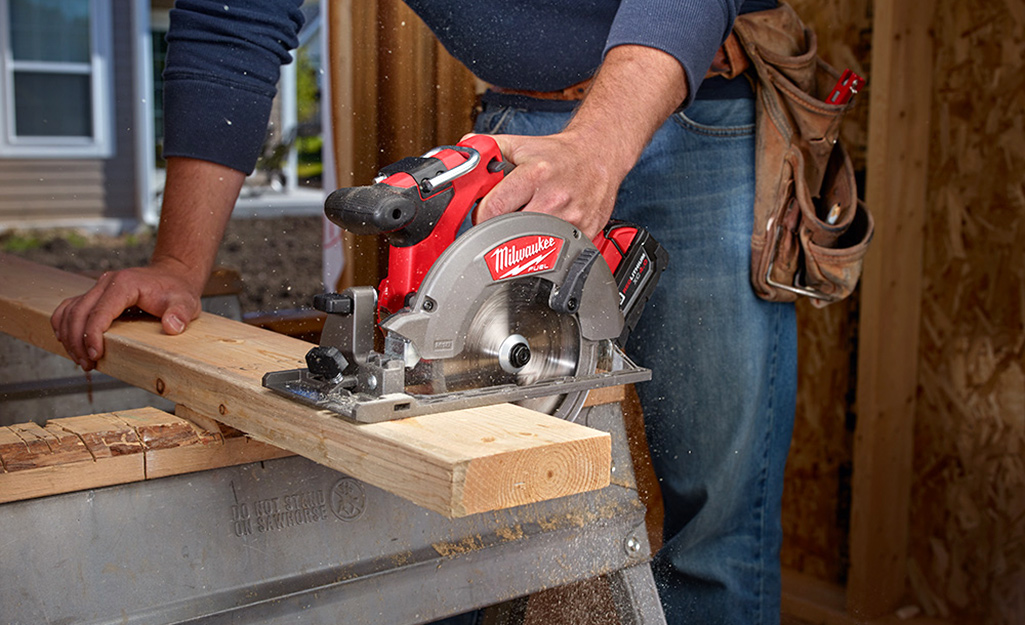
419	204
376	209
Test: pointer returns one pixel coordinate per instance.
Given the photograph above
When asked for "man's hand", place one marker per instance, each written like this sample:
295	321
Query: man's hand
557	174
198	199
576	173
79	322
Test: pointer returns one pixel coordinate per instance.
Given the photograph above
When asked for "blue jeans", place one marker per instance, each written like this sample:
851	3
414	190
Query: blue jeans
719	409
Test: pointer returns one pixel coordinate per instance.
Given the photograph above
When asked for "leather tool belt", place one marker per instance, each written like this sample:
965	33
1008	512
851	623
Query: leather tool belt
810	230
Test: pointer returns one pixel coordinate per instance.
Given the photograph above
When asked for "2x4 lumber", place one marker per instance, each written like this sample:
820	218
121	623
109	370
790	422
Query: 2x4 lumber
94	451
898	145
456	463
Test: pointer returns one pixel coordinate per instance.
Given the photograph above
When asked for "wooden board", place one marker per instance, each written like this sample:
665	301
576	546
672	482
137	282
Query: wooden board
456	463
94	451
890	306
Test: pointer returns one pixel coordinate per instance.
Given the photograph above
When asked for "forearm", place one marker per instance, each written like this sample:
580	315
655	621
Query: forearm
198	201
635	91
688	30
576	173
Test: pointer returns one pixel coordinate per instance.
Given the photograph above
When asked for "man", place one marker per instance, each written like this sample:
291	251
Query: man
651	142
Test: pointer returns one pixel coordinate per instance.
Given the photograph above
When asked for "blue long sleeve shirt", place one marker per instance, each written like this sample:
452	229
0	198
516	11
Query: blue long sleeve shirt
224	56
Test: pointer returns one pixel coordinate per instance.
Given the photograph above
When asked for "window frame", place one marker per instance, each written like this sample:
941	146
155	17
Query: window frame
99	68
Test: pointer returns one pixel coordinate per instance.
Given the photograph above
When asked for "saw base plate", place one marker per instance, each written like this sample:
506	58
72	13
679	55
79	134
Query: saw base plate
300	385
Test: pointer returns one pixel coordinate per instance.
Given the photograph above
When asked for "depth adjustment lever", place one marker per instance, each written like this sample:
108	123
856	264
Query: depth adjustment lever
349	327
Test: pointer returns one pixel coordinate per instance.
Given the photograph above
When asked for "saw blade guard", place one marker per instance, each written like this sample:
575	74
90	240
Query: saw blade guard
519	299
510	247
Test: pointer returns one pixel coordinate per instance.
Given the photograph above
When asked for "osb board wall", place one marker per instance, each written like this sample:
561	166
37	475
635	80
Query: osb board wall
816	496
967	556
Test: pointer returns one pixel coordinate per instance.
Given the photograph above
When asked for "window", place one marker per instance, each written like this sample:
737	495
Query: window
56	83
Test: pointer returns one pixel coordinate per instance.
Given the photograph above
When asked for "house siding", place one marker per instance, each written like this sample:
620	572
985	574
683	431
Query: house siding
72	190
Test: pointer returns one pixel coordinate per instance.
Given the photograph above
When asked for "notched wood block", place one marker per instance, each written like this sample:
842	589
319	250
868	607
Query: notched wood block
158	429
103	436
12	449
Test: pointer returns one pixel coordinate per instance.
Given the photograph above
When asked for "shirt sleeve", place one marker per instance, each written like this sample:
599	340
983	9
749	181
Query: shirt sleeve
223	62
689	30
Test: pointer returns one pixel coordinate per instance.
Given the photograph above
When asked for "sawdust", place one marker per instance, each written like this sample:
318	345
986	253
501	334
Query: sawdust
510	533
460	547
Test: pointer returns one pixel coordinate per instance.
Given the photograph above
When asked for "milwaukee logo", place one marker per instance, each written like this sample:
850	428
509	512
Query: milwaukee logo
522	256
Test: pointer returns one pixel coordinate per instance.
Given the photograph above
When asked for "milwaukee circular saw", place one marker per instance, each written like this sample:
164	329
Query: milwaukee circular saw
521	308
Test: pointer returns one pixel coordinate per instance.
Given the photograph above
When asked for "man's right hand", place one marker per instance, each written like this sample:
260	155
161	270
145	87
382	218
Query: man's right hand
159	289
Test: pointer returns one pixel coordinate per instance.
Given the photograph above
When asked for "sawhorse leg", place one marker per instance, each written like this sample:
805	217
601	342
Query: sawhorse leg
635	596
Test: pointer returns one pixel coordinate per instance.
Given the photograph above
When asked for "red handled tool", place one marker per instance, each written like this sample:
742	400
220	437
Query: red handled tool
419	203
845	89
515	309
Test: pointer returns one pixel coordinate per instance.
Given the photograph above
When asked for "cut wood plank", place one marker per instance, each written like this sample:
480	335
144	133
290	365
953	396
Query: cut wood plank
456	463
209	455
218	446
12	450
68	478
51	445
108	453
606	395
100	450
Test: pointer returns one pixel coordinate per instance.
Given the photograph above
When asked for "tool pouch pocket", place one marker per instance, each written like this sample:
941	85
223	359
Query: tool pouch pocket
810	231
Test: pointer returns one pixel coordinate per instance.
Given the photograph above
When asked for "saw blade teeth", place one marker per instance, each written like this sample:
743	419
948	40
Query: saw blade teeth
517	311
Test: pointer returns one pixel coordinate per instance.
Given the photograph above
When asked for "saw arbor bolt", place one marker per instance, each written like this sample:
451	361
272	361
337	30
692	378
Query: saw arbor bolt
513	353
519	355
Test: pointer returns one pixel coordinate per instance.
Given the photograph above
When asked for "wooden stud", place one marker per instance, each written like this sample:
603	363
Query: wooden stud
891	301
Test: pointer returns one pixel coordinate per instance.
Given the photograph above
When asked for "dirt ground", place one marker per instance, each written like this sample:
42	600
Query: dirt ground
279	258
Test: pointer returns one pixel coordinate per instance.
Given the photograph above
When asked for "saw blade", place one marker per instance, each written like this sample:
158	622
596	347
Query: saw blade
516	338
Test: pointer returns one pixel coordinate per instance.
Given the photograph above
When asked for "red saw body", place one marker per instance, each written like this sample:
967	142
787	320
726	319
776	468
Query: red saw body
419	204
516	309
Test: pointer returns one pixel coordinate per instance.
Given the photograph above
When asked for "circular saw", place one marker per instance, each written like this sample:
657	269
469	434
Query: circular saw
521	308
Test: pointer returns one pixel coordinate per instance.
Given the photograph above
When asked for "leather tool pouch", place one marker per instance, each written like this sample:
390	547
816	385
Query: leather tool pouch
810	231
